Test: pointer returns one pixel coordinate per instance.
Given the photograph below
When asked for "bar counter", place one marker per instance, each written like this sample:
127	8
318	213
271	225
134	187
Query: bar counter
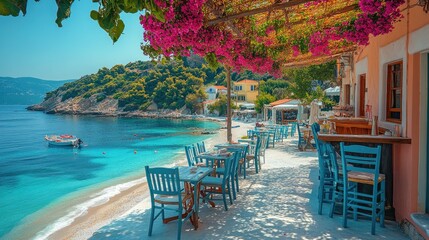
378	139
386	165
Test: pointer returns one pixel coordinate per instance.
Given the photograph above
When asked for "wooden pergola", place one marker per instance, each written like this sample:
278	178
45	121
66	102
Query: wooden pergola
246	18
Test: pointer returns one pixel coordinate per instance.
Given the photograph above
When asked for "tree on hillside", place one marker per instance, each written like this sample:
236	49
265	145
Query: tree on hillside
301	81
220	106
275	87
194	101
262	99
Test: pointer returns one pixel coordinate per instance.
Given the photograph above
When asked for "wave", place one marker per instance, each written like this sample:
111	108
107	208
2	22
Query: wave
97	199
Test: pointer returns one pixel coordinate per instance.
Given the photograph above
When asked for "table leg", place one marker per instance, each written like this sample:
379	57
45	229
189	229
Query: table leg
196	203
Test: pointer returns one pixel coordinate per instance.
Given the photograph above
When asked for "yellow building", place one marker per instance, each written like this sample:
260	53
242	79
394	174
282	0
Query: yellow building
245	91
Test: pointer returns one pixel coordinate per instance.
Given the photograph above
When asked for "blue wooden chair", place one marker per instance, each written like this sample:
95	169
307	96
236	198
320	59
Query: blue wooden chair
285	132
293	129
220	185
239	152
201	146
361	165
254	155
191	155
315	129
272	136
301	140
326	179
165	190
264	143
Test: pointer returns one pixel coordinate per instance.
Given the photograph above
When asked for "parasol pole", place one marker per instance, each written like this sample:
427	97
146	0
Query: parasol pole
228	107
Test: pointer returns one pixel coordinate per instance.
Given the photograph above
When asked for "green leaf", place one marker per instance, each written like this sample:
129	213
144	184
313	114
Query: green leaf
94	15
107	22
13	7
116	31
63	11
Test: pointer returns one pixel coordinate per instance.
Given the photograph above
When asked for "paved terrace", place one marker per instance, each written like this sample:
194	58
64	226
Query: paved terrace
278	203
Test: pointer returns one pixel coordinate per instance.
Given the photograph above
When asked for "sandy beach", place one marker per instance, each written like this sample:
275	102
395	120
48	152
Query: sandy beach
132	200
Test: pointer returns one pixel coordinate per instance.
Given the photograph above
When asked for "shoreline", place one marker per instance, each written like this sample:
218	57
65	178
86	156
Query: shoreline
159	114
134	199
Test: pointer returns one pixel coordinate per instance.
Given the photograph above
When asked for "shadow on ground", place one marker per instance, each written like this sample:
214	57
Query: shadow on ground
278	203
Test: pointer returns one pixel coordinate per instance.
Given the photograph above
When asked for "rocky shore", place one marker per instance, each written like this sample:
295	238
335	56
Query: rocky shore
108	107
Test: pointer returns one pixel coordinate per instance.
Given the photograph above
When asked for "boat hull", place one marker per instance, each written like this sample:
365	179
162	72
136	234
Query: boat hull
61	141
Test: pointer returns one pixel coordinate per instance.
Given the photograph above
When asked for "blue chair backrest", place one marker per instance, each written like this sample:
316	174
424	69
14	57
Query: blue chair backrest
326	155
201	147
250	133
294	124
229	166
333	163
361	159
238	154
285	130
315	129
300	136
191	155
258	145
164	181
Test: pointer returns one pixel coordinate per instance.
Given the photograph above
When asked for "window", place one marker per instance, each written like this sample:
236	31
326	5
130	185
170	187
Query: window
252	88
241	98
394	92
238	88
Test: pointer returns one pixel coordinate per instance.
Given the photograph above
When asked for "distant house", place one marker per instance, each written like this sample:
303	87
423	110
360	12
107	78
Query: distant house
245	91
206	107
213	91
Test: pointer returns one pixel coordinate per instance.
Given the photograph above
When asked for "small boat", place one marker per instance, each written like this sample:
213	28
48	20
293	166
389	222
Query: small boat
63	140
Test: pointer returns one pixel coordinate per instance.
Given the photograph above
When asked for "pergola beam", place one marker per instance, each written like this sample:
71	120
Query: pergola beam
331	14
318	60
272	7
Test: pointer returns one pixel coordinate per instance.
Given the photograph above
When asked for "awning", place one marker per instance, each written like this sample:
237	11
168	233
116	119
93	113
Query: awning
333	91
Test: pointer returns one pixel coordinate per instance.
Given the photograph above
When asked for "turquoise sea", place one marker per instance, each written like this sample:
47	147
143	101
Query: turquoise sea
37	180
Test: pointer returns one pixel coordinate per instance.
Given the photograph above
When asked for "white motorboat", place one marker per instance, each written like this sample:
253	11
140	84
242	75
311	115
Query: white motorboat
63	140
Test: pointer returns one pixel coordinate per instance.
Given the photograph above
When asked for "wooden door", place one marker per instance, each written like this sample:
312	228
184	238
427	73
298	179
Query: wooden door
362	93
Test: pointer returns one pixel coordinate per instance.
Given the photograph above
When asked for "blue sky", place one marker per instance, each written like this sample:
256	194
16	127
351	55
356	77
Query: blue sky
34	46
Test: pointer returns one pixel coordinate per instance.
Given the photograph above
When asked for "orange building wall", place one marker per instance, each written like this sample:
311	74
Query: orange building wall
406	157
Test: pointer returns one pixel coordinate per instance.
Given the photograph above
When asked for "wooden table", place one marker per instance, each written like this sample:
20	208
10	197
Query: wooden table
194	175
249	141
232	145
386	165
214	159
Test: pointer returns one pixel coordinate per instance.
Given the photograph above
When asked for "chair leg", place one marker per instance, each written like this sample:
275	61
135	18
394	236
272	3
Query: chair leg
179	224
373	214
334	200
355	208
233	188
229	191
152	215
236	183
320	195
224	199
163	212
345	200
383	203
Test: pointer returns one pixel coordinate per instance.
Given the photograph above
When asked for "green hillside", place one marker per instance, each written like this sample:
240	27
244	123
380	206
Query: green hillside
170	85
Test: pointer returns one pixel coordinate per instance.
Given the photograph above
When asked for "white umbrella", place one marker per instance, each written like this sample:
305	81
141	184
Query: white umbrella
314	111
